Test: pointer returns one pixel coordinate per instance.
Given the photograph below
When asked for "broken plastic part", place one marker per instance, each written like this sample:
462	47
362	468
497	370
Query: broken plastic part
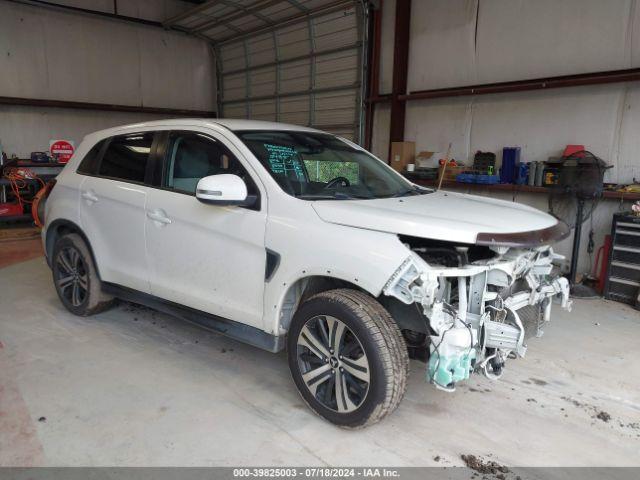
476	289
452	357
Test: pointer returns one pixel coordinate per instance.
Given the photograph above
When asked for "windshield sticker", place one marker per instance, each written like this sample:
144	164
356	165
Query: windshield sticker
283	160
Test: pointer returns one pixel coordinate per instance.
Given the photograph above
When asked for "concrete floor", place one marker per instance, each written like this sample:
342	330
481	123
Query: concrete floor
138	388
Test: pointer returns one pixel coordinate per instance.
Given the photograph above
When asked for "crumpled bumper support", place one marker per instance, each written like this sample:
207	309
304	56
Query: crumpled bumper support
481	327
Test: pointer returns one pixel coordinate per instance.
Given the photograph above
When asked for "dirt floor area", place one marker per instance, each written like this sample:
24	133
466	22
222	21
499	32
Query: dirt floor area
18	244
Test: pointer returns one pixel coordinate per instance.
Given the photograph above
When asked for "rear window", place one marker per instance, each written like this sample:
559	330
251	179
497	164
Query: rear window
126	157
89	164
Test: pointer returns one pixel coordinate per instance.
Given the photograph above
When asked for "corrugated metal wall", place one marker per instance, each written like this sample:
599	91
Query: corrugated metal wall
308	73
465	42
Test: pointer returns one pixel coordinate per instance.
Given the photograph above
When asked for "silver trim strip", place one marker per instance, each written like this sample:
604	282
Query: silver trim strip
214	193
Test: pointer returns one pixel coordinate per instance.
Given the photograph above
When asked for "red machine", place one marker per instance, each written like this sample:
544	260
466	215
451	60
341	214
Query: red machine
19	180
10	209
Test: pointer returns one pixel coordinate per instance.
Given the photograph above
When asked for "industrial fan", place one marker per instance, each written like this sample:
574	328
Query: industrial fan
573	199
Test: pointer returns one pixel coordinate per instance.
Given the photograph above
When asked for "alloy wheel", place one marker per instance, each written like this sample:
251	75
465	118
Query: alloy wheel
333	364
71	276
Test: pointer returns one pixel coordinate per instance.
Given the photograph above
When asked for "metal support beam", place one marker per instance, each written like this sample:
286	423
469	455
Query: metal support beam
579	80
595	78
400	70
37	102
293	94
298	5
362	28
192	11
373	80
86	11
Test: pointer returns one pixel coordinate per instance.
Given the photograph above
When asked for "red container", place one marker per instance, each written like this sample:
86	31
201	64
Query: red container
571	149
10	209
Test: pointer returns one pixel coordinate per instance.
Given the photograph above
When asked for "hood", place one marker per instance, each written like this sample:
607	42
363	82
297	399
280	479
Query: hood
439	215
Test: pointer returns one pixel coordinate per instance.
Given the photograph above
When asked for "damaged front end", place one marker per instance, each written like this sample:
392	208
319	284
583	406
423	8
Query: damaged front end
473	298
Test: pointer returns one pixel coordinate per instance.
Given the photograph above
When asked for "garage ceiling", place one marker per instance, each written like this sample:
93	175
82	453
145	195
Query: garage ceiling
223	20
294	61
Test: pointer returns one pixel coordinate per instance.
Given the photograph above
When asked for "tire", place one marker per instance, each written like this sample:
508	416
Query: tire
364	376
75	277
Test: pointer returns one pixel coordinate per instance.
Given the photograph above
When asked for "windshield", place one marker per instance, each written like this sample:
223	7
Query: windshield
320	166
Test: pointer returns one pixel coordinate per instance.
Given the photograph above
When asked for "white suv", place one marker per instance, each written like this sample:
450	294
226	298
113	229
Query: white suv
287	237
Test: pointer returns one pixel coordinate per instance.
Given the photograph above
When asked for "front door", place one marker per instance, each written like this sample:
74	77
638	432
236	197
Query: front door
112	210
206	257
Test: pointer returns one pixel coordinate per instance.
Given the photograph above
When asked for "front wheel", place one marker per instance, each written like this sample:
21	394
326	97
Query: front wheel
347	357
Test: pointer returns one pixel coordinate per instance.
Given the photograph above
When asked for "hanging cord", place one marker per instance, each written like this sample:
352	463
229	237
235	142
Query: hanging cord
36	212
19	179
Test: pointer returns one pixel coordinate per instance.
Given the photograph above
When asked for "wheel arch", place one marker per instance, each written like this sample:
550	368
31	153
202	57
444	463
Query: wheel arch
61	227
407	317
305	287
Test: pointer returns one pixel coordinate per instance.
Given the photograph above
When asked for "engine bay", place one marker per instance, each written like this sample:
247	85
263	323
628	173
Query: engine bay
473	299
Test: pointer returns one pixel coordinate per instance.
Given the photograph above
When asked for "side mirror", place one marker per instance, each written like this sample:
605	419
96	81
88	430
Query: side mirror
224	190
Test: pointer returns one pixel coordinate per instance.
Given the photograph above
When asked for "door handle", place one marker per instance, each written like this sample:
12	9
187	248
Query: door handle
89	196
159	216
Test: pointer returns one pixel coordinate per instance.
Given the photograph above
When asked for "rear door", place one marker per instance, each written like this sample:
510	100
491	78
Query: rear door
112	208
207	257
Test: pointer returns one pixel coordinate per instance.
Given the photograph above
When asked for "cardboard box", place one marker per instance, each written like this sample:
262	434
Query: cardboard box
402	154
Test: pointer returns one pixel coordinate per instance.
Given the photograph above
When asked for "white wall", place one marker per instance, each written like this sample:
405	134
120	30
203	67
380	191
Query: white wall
464	42
52	54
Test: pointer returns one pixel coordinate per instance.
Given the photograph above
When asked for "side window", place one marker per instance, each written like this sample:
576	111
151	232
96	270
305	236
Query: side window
192	156
89	164
126	157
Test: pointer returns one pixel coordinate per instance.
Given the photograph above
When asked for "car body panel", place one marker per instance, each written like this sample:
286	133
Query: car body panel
112	215
310	247
439	215
209	258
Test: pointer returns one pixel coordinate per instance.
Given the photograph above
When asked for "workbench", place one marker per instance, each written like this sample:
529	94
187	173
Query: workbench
46	172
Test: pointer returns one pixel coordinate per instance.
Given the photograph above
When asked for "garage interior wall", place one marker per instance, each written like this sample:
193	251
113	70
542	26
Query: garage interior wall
457	43
59	55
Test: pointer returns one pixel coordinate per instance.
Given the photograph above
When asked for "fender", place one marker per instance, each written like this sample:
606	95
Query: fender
59	227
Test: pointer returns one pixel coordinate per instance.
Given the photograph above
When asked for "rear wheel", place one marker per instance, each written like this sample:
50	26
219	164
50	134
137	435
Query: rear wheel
75	277
347	357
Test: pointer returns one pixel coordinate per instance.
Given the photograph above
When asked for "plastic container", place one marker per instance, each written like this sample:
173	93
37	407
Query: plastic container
539	174
531	180
523	173
477	178
510	164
